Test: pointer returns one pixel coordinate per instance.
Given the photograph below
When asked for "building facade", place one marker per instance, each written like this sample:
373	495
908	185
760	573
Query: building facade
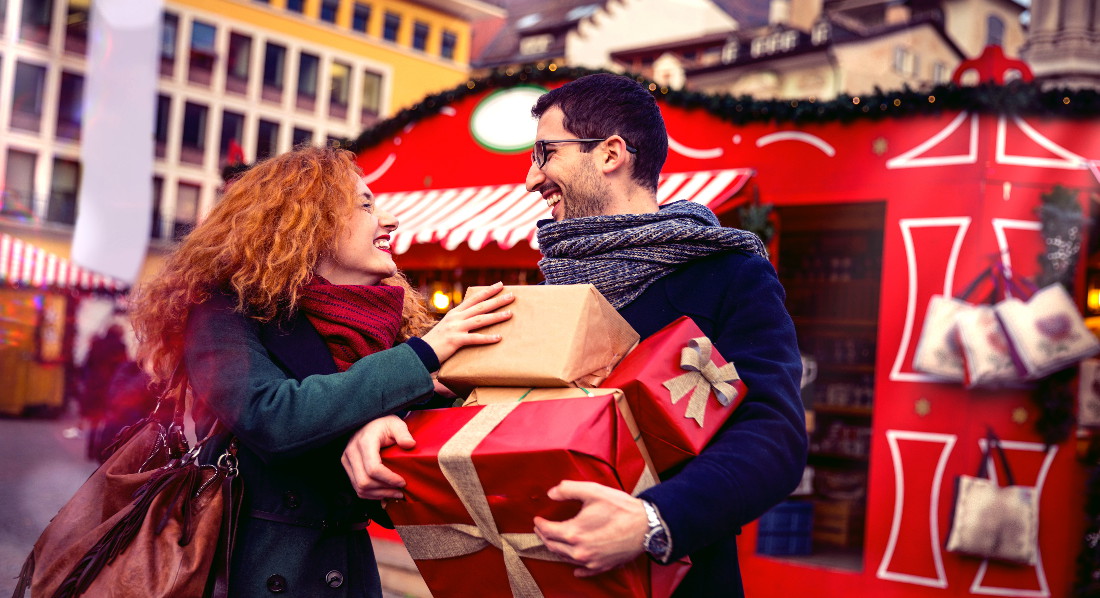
822	49
246	77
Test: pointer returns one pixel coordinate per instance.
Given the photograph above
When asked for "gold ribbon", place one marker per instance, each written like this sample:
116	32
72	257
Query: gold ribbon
701	377
457	539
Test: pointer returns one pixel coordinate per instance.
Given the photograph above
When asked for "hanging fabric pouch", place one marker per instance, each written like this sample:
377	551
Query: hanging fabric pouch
991	521
1046	331
938	351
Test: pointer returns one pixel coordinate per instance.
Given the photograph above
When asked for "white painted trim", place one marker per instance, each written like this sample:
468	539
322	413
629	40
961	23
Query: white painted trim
910	158
948	441
906	225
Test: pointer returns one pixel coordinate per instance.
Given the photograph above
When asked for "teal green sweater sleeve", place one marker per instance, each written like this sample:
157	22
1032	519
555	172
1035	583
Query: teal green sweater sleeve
277	416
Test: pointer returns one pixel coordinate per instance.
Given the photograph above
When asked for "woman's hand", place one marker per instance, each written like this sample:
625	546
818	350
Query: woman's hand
363	463
456	328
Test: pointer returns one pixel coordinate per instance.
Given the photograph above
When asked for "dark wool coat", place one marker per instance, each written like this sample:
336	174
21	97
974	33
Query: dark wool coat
301	532
757	459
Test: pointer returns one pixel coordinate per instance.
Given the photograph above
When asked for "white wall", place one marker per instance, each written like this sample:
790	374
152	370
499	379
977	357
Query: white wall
625	24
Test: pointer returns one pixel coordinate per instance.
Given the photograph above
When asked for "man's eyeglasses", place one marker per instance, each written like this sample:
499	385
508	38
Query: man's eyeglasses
539	155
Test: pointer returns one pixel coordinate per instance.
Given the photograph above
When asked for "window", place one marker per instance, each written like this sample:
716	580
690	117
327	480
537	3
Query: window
372	97
203	54
820	33
390	25
187	209
308	65
158	201
360	17
193	142
69	106
995	31
18	192
35	26
328	10
939	73
302	137
267	139
26	109
297	6
901	60
420	36
339	82
63	188
238	63
168	34
232	130
76	27
164	113
274	71
447	45
3	16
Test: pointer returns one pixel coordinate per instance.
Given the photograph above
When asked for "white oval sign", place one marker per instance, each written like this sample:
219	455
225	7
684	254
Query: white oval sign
502	122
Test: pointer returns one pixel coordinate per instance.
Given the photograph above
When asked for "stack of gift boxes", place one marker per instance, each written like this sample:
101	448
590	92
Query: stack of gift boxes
568	394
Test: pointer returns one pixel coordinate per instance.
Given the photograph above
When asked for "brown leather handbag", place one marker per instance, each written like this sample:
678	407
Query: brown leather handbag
150	522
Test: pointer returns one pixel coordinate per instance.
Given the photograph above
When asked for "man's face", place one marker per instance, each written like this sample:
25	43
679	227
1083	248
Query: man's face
570	181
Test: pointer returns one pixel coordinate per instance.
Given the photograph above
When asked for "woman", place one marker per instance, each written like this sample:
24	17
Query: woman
287	311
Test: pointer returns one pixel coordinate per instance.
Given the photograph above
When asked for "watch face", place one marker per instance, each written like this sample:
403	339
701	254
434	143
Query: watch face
657	543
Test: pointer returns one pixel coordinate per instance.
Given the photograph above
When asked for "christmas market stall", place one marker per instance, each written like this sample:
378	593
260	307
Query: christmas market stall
39	294
874	209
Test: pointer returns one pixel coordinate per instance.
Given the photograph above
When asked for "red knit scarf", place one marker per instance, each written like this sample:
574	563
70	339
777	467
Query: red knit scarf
355	320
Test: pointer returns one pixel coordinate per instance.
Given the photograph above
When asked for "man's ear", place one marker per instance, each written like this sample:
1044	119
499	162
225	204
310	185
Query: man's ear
614	154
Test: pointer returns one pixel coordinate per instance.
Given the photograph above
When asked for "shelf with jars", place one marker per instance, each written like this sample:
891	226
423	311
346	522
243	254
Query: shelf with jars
830	262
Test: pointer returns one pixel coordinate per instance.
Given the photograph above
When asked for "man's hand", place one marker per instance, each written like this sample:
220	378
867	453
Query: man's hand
363	463
607	532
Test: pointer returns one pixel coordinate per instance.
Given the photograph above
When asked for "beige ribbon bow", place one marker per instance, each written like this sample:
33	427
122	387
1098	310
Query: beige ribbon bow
701	377
458	539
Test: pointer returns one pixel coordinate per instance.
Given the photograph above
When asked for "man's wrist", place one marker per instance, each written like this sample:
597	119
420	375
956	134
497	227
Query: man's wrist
657	542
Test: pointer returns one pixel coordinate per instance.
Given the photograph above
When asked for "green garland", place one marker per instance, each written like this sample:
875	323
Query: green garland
1013	98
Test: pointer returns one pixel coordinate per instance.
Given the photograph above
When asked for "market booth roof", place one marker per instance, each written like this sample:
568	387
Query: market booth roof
507	214
25	265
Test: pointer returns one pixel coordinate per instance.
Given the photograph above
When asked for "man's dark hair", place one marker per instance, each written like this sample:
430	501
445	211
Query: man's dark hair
604	104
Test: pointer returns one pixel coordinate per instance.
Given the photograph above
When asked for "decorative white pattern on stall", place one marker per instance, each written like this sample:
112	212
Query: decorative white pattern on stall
922	560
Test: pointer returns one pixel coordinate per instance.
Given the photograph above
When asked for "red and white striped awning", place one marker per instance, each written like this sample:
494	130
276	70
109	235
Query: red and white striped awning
507	214
25	265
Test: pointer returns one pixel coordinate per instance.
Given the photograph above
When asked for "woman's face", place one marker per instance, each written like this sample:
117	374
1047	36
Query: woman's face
363	251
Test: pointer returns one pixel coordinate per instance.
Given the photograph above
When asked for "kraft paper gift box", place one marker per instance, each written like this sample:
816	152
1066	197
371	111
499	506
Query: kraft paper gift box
478	476
680	390
559	335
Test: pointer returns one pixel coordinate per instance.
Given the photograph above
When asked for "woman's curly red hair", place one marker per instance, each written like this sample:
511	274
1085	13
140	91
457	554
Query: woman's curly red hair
260	244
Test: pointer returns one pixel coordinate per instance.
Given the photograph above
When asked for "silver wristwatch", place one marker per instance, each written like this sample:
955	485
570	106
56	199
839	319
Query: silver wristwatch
656	541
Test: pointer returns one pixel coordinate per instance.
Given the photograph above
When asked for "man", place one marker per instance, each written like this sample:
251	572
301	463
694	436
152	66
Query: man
600	146
599	149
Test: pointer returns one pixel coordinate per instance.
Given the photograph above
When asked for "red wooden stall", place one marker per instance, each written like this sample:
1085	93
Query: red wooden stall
873	217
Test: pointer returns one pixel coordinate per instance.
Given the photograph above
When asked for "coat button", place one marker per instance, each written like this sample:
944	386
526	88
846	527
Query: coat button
276	584
291	499
334	579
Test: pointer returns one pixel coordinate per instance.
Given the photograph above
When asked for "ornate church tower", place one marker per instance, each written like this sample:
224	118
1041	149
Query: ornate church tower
1063	45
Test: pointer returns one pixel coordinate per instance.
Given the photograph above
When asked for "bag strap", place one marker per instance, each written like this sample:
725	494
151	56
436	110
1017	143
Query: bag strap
993	443
1021	287
970	288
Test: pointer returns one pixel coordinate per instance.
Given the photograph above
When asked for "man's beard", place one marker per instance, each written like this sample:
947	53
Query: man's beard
588	196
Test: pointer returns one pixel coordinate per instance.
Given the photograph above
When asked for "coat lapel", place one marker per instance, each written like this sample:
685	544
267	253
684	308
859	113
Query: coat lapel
298	347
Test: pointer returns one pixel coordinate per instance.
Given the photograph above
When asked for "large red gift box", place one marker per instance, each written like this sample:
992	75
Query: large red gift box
680	390
478	476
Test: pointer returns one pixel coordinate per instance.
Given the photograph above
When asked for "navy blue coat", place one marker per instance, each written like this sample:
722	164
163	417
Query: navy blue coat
757	458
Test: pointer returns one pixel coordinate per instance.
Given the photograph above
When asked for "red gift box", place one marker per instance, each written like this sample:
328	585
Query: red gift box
478	476
680	390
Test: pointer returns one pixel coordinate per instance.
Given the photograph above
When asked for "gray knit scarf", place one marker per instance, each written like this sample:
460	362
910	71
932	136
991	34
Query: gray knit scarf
622	255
